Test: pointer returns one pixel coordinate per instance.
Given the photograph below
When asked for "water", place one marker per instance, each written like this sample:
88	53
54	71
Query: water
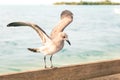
94	35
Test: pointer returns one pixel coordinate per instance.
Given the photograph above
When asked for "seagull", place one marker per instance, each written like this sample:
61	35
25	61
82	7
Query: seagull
53	43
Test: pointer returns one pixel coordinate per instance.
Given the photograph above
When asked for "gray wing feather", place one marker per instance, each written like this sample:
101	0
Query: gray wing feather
66	19
39	30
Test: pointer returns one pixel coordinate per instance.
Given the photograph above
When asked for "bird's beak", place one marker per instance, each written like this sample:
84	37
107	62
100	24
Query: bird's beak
68	42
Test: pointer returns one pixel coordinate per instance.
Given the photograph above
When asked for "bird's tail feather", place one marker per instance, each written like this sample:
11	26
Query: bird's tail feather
33	49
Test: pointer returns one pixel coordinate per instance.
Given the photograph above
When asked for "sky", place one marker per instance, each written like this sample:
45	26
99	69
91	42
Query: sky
38	2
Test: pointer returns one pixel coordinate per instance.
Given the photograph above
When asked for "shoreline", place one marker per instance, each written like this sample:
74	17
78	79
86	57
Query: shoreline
87	3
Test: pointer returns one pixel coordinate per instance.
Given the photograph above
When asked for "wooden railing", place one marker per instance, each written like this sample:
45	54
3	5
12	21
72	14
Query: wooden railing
74	72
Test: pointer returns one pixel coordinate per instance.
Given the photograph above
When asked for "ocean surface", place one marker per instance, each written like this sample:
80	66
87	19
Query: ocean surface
94	35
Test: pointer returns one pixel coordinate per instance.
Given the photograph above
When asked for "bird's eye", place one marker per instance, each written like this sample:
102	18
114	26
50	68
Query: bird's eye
63	36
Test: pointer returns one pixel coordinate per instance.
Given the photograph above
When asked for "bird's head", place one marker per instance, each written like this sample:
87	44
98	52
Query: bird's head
64	37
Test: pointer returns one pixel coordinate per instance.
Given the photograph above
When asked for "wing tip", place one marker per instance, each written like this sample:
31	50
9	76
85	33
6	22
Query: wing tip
67	13
12	24
8	25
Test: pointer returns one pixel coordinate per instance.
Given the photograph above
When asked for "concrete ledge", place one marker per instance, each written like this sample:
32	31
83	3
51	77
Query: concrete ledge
74	72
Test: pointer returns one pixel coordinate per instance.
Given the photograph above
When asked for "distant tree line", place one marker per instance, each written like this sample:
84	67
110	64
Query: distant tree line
106	2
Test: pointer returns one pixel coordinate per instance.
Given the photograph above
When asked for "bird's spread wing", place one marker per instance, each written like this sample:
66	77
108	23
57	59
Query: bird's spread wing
39	30
66	19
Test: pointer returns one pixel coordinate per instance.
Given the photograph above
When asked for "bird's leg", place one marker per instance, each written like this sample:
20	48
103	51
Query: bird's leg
45	61
51	61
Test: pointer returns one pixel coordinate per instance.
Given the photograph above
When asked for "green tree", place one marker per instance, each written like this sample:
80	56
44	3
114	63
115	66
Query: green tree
81	1
107	1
